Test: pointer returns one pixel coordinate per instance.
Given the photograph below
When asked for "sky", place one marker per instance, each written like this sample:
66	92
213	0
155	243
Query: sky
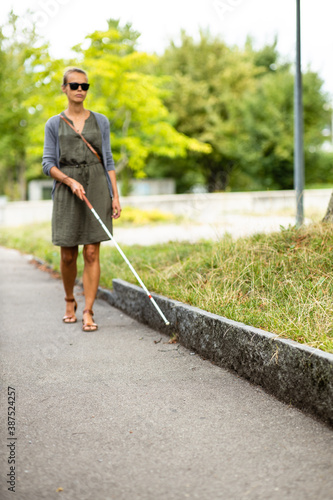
65	23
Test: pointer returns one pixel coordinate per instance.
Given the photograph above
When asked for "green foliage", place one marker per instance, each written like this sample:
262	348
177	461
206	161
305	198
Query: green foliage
208	82
203	113
122	89
268	120
241	102
319	169
19	59
269	126
132	99
29	95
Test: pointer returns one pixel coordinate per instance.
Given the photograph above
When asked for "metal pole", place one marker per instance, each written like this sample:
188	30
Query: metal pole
298	124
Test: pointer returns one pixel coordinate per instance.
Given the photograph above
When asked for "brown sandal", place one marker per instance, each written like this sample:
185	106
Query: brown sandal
89	327
72	318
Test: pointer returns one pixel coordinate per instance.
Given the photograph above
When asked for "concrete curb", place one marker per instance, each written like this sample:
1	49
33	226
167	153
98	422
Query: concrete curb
294	373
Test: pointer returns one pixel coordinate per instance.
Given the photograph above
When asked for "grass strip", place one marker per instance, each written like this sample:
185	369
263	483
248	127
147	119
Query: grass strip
280	282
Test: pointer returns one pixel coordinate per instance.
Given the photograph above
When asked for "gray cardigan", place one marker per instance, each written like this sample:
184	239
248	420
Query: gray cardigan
51	153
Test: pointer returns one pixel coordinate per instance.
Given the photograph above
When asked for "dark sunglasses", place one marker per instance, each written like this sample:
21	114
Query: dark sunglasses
75	86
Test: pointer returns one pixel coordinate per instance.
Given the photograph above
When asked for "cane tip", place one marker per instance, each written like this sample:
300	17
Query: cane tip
167	323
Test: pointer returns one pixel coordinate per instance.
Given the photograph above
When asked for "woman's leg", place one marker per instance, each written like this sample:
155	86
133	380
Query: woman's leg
68	272
91	275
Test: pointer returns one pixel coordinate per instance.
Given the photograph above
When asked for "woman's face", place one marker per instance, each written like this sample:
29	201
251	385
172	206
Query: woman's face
78	95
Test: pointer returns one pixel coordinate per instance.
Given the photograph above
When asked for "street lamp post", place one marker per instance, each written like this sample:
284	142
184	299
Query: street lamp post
298	125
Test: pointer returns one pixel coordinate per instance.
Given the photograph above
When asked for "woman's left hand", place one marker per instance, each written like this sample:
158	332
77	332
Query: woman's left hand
116	208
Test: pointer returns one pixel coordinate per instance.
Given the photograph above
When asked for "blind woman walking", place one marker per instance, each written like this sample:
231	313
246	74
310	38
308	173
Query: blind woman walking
76	171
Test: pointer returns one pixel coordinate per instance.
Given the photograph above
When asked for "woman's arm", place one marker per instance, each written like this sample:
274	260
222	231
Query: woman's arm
75	186
116	208
50	146
110	167
50	160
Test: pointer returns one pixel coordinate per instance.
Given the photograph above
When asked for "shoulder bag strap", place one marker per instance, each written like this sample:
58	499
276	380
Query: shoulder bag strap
84	140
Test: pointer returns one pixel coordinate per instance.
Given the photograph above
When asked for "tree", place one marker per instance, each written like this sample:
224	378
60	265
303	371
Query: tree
19	58
208	83
122	89
269	126
26	99
125	91
241	102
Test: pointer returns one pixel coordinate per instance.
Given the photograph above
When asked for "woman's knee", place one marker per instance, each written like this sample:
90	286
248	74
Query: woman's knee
69	255
91	253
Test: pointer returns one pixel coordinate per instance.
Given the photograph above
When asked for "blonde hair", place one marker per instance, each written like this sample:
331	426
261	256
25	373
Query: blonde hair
72	70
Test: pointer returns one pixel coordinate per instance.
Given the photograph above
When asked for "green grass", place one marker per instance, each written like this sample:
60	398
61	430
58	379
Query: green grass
281	282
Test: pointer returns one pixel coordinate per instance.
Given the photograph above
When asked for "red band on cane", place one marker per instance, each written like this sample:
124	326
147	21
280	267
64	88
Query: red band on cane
87	202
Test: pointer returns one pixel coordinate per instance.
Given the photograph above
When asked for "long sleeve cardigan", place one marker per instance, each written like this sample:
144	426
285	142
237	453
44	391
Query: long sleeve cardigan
51	153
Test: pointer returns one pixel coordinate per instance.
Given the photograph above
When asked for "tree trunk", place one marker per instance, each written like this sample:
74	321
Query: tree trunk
329	212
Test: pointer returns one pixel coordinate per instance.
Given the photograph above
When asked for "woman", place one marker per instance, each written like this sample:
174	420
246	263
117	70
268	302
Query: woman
76	171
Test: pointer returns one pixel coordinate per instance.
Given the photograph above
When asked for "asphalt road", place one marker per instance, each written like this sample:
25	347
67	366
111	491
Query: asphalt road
122	414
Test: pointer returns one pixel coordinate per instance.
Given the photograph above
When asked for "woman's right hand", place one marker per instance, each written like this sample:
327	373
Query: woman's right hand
76	188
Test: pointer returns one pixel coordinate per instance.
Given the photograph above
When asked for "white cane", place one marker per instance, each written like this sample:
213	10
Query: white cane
125	258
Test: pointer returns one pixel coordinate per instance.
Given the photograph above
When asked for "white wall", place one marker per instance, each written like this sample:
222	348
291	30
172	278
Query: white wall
201	207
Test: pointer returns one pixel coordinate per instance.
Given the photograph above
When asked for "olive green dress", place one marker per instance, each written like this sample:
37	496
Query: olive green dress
72	221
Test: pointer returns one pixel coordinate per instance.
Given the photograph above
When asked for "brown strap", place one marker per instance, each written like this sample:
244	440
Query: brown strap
90	311
84	140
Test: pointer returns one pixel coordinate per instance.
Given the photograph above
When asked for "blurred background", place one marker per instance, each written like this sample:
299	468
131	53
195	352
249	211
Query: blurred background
199	94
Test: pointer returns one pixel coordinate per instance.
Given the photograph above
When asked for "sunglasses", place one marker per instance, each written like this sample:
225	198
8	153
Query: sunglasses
75	86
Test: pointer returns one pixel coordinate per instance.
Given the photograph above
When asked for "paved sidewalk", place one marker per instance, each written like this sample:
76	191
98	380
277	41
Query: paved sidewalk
121	414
